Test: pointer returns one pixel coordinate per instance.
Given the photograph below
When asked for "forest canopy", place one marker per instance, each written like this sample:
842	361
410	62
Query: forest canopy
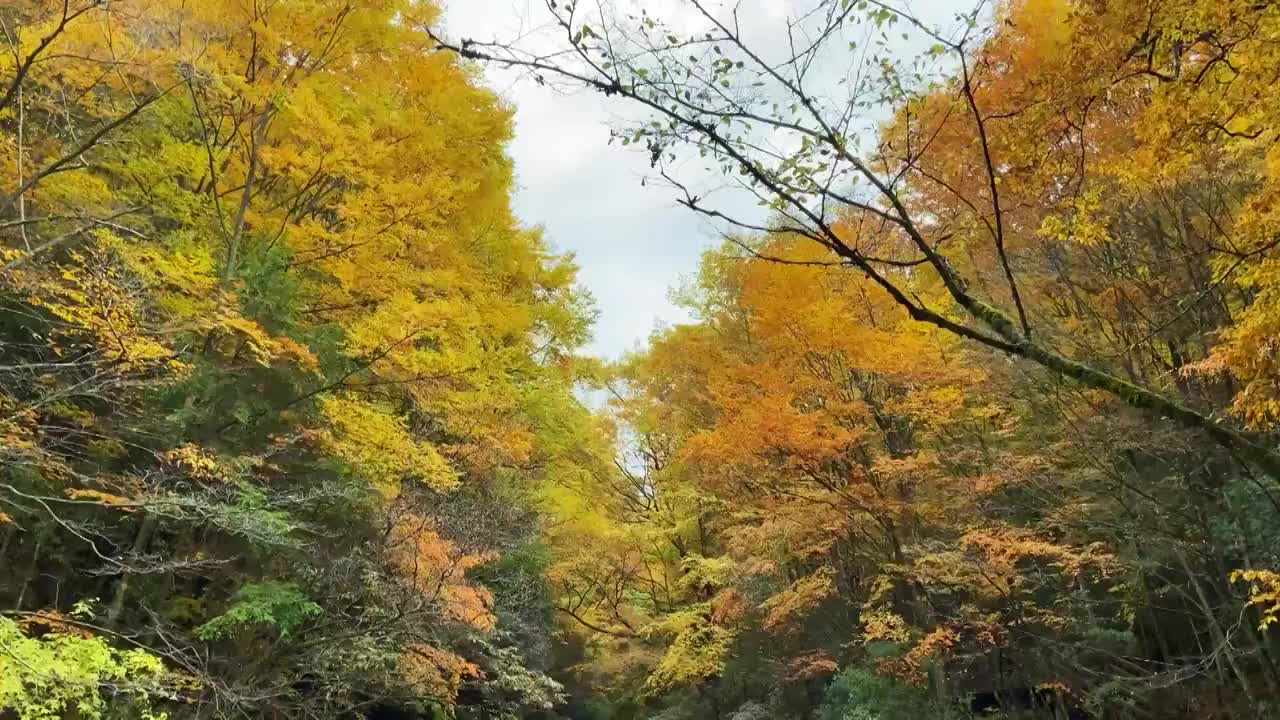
979	414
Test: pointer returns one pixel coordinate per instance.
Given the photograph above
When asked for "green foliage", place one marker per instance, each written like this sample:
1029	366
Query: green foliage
252	515
280	606
859	694
63	674
270	294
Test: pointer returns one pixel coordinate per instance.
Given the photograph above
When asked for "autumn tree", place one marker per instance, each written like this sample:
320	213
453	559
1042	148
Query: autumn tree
712	92
1082	187
266	311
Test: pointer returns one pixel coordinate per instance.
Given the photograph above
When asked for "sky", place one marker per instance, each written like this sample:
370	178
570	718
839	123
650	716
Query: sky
633	242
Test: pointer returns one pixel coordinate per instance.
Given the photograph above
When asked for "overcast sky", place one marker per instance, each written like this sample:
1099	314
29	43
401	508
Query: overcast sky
632	243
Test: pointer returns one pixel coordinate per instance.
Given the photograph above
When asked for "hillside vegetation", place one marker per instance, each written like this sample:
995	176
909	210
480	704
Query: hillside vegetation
983	416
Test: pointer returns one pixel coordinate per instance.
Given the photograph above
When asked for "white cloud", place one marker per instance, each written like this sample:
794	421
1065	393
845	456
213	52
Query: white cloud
632	242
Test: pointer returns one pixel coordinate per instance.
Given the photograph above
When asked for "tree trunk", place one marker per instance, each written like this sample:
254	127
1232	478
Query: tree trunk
1221	647
31	573
140	542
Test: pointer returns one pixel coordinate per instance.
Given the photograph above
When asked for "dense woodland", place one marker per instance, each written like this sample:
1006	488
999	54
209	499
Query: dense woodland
980	413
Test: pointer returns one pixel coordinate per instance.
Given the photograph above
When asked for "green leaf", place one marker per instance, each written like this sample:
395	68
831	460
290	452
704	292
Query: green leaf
269	604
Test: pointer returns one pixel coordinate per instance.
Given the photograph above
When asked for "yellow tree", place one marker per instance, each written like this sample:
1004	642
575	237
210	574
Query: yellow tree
266	307
711	93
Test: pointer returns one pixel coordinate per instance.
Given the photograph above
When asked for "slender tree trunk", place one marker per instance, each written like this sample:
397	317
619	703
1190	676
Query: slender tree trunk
1148	599
236	238
1249	625
9	532
1221	647
31	573
140	542
22	197
938	680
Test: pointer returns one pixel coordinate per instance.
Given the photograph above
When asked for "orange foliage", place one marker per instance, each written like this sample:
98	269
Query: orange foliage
437	569
434	672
